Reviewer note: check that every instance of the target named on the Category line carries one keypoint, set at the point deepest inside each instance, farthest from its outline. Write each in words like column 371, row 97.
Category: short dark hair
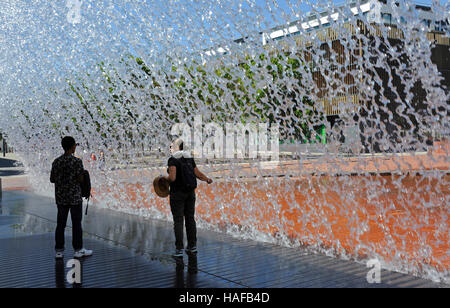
column 67, row 143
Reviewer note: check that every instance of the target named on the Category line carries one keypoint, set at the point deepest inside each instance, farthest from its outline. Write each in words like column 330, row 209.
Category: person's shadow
column 60, row 275
column 191, row 279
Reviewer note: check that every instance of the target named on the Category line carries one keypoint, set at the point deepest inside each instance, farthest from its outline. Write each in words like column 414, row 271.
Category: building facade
column 377, row 30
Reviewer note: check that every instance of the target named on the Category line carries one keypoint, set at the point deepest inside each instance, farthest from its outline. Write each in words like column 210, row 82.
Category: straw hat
column 161, row 186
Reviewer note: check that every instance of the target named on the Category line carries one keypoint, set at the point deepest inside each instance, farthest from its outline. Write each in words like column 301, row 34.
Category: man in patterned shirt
column 67, row 175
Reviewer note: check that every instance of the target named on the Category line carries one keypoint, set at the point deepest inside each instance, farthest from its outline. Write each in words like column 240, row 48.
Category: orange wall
column 394, row 208
column 334, row 213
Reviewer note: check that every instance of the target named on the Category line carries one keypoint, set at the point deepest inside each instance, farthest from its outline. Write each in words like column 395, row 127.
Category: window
column 426, row 22
column 441, row 26
column 386, row 18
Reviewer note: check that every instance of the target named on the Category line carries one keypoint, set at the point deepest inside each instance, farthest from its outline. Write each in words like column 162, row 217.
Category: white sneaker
column 82, row 253
column 59, row 255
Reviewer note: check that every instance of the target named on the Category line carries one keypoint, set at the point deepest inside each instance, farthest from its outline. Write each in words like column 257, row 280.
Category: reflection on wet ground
column 130, row 251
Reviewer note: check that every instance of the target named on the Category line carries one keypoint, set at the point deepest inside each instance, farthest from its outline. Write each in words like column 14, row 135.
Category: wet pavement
column 131, row 251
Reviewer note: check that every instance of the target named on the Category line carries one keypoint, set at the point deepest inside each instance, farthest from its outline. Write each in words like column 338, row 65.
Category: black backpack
column 86, row 187
column 188, row 177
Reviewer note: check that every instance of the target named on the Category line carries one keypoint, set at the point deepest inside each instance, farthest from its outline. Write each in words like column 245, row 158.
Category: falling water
column 355, row 100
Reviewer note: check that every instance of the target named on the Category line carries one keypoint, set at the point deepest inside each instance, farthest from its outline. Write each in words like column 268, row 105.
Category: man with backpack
column 68, row 175
column 183, row 175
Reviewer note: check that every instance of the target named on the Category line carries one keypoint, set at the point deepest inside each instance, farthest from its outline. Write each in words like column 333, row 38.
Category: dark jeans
column 182, row 205
column 76, row 214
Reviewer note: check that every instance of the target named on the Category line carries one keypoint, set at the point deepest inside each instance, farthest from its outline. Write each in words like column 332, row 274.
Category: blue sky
column 35, row 32
column 271, row 15
column 306, row 7
column 189, row 24
column 293, row 7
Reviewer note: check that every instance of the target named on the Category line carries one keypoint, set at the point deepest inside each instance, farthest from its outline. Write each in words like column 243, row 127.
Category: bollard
column 0, row 188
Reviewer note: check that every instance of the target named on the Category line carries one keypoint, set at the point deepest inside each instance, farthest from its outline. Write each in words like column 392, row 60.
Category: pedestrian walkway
column 131, row 251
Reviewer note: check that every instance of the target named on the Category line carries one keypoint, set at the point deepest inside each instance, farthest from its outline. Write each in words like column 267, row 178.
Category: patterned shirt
column 65, row 171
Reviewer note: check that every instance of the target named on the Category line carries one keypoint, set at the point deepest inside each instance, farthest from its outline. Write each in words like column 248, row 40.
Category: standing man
column 67, row 175
column 183, row 175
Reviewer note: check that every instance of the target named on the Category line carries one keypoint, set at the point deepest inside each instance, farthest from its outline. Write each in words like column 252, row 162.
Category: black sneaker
column 191, row 249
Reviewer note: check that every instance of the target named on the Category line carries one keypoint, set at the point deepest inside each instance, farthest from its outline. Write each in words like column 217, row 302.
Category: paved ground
column 130, row 251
